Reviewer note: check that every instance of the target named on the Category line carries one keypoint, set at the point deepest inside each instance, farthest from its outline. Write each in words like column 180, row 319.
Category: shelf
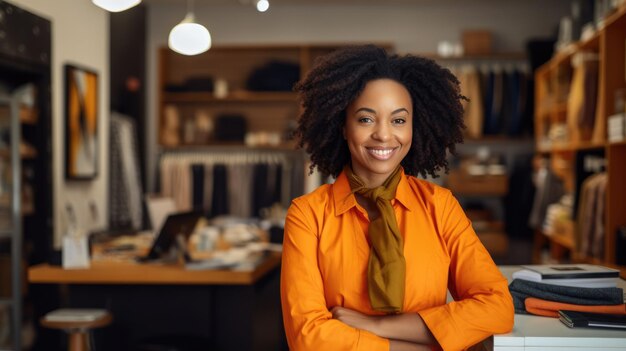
column 504, row 56
column 28, row 115
column 462, row 184
column 26, row 153
column 617, row 143
column 608, row 43
column 571, row 147
column 236, row 96
column 287, row 146
column 560, row 108
column 591, row 44
column 565, row 241
column 615, row 18
column 498, row 139
column 563, row 57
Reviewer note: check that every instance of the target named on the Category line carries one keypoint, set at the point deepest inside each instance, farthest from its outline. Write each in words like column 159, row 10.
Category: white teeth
column 382, row 152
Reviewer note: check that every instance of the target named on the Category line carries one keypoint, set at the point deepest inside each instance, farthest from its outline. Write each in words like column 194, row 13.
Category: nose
column 381, row 132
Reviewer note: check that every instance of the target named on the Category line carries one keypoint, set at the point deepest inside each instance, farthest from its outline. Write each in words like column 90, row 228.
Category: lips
column 382, row 153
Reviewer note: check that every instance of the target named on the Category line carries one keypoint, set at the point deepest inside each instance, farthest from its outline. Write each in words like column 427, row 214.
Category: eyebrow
column 366, row 109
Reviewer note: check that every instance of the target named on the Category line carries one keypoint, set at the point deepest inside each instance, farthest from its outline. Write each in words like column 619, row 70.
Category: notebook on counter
column 574, row 319
column 580, row 275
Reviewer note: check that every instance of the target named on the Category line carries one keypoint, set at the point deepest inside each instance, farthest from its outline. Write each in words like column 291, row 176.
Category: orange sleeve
column 483, row 305
column 308, row 322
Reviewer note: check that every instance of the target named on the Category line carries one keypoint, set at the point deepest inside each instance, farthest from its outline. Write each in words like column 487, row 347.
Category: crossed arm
column 405, row 331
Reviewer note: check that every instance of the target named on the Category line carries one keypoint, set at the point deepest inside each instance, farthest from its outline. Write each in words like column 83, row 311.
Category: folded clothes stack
column 548, row 308
column 546, row 299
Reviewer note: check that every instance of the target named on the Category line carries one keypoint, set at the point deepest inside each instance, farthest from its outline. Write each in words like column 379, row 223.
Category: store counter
column 233, row 310
column 549, row 334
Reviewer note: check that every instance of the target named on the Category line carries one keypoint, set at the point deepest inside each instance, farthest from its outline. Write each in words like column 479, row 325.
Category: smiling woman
column 378, row 129
column 368, row 260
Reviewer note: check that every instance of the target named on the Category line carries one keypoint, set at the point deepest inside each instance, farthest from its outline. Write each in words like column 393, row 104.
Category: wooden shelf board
column 28, row 154
column 495, row 139
column 562, row 240
column 614, row 18
column 571, row 147
column 510, row 56
column 589, row 145
column 543, row 70
column 287, row 146
column 591, row 44
column 236, row 96
column 560, row 108
column 563, row 58
column 617, row 143
column 28, row 115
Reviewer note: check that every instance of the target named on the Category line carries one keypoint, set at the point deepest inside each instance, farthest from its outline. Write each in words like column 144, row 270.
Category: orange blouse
column 325, row 257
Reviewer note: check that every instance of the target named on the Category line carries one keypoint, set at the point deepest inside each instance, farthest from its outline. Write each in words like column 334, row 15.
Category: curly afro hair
column 339, row 77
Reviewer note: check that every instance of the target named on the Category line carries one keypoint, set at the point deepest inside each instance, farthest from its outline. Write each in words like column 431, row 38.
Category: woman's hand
column 407, row 327
column 356, row 319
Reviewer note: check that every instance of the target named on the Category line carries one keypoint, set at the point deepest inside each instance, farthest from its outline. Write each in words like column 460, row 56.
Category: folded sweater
column 551, row 309
column 521, row 289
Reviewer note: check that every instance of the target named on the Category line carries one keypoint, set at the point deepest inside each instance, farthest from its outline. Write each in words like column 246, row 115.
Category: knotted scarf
column 386, row 266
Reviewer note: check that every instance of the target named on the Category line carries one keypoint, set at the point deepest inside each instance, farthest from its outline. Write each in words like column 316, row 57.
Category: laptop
column 176, row 228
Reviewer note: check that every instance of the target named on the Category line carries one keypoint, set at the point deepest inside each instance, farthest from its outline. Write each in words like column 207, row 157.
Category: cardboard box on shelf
column 462, row 183
column 477, row 42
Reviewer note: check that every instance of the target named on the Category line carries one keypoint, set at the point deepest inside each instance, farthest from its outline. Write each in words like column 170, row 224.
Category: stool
column 77, row 323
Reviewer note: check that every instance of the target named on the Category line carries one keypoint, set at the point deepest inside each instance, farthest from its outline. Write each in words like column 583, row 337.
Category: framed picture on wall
column 81, row 123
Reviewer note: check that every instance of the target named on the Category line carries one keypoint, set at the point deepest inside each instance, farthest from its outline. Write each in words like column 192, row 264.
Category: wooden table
column 235, row 310
column 128, row 272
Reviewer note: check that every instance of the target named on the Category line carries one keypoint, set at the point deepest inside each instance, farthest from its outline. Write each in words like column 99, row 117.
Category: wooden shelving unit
column 552, row 87
column 264, row 111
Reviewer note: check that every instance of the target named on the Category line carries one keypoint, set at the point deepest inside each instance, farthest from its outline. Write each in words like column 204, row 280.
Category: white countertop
column 545, row 333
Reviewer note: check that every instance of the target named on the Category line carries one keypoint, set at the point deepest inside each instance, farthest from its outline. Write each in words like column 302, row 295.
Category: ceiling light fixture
column 262, row 5
column 115, row 5
column 188, row 37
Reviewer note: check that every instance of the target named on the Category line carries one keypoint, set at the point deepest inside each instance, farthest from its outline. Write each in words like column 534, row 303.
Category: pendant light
column 262, row 5
column 188, row 37
column 115, row 5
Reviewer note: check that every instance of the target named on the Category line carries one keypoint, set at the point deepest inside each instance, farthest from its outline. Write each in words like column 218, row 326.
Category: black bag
column 230, row 128
column 274, row 76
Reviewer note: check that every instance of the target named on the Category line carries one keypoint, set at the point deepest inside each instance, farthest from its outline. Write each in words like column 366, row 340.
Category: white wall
column 412, row 28
column 80, row 35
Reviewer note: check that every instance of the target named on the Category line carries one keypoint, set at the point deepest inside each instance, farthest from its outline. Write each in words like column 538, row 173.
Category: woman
column 367, row 261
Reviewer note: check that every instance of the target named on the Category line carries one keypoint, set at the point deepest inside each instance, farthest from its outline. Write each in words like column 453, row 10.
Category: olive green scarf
column 386, row 266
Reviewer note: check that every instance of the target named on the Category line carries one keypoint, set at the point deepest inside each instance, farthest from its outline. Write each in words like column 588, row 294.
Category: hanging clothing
column 469, row 80
column 239, row 189
column 208, row 188
column 125, row 202
column 221, row 183
column 548, row 190
column 220, row 191
column 197, row 191
column 590, row 218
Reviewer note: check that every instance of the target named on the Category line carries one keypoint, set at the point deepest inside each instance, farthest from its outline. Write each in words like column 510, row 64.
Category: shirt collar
column 345, row 200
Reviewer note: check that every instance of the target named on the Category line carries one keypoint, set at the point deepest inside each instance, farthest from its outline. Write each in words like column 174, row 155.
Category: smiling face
column 379, row 130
